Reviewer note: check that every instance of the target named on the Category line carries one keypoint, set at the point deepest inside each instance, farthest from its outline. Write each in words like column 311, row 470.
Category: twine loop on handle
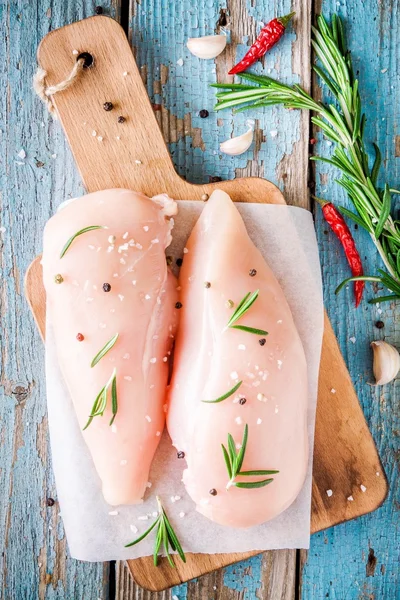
column 46, row 93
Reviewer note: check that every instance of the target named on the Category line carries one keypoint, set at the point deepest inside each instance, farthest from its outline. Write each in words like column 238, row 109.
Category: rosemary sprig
column 80, row 232
column 234, row 461
column 343, row 122
column 100, row 404
column 104, row 350
column 165, row 536
column 241, row 310
column 226, row 395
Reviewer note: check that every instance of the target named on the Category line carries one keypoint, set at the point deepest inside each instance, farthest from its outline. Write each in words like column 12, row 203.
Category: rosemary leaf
column 240, row 457
column 78, row 233
column 227, row 461
column 252, row 484
column 100, row 404
column 145, row 534
column 114, row 399
column 226, row 395
column 104, row 350
column 248, row 473
column 250, row 329
column 173, row 539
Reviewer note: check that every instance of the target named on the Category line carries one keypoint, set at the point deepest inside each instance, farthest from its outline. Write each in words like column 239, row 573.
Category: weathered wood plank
column 360, row 559
column 37, row 173
column 178, row 93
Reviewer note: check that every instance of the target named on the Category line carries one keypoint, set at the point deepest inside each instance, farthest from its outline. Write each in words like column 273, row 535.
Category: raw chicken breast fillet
column 115, row 281
column 211, row 358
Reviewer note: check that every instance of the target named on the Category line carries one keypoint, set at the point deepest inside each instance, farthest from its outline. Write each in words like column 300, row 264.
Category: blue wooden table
column 356, row 560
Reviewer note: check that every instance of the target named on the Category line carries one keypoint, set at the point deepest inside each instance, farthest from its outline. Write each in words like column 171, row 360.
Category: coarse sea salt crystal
column 273, row 133
column 333, row 391
column 352, row 340
column 153, row 360
column 126, row 356
column 143, row 518
column 155, row 241
column 234, row 375
column 165, row 358
column 261, row 397
column 113, row 513
column 133, row 528
column 22, row 153
column 122, row 261
column 175, row 597
column 121, row 297
column 279, row 363
column 113, row 428
column 100, row 138
column 259, row 421
column 181, row 514
column 238, row 446
column 125, row 235
column 94, row 133
column 329, row 493
column 138, row 162
column 128, row 378
column 185, row 251
column 350, row 499
column 238, row 420
column 149, row 484
column 148, row 418
column 179, row 62
column 363, row 488
column 145, row 227
column 158, row 433
column 147, row 297
column 241, row 347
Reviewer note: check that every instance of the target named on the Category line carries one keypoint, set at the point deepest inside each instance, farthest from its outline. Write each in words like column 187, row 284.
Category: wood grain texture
column 360, row 560
column 34, row 561
column 103, row 163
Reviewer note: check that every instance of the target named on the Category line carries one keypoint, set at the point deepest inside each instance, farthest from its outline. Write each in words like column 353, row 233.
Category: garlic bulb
column 386, row 362
column 241, row 143
column 208, row 46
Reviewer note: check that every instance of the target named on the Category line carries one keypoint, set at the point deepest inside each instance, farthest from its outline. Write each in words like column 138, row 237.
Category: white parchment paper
column 98, row 532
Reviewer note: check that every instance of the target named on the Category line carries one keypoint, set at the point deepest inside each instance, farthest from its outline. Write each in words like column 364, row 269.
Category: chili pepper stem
column 320, row 201
column 285, row 20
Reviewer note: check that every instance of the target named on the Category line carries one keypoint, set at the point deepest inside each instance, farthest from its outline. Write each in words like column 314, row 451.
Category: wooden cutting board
column 345, row 456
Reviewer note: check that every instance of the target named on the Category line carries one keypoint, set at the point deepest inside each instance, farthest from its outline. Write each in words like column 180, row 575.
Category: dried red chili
column 269, row 35
column 342, row 232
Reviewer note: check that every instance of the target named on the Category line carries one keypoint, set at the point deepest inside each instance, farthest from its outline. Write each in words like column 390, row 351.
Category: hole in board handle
column 88, row 59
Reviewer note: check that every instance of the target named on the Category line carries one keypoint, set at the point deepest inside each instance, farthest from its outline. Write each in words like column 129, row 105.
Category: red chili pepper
column 269, row 35
column 342, row 232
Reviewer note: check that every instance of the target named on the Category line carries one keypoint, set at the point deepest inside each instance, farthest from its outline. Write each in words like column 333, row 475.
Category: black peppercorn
column 180, row 454
column 106, row 287
column 252, row 272
column 204, row 113
column 121, row 119
column 50, row 502
column 207, row 284
column 380, row 324
column 178, row 305
column 242, row 401
column 262, row 341
column 214, row 179
column 179, row 261
column 213, row 492
column 108, row 106
column 98, row 10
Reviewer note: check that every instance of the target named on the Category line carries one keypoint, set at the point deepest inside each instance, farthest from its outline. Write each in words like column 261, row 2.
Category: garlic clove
column 208, row 46
column 386, row 362
column 239, row 144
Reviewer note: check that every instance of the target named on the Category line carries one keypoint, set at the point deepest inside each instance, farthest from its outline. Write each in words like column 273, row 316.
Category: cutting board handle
column 108, row 153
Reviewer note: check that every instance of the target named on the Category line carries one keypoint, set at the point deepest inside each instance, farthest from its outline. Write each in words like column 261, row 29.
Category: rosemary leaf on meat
column 241, row 309
column 342, row 121
column 78, row 233
column 165, row 537
column 234, row 461
column 104, row 350
column 100, row 404
column 226, row 395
